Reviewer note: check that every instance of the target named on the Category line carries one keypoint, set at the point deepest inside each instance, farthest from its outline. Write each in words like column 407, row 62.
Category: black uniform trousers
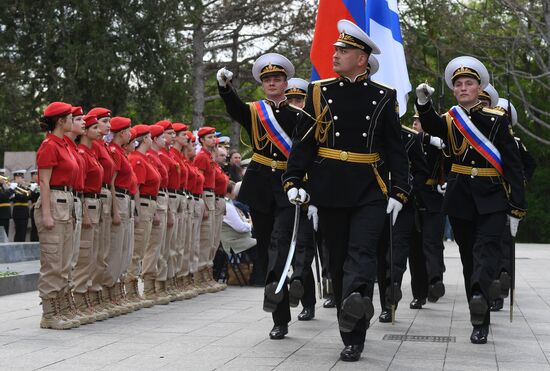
column 351, row 236
column 263, row 225
column 417, row 266
column 20, row 229
column 479, row 243
column 401, row 234
column 433, row 227
column 278, row 252
column 507, row 245
column 6, row 224
column 305, row 251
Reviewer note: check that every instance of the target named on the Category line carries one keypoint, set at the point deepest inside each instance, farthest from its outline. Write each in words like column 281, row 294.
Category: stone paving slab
column 229, row 331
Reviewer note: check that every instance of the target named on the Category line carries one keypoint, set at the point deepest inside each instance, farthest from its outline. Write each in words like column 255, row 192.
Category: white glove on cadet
column 297, row 196
column 33, row 187
column 13, row 186
column 514, row 224
column 437, row 142
column 312, row 215
column 424, row 93
column 223, row 76
column 441, row 188
column 394, row 207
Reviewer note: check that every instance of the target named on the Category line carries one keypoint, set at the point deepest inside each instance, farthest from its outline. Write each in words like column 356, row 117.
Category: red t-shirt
column 78, row 181
column 154, row 159
column 148, row 178
column 206, row 165
column 220, row 188
column 199, row 181
column 94, row 171
column 105, row 159
column 134, row 184
column 54, row 153
column 123, row 168
column 178, row 156
column 191, row 175
column 174, row 168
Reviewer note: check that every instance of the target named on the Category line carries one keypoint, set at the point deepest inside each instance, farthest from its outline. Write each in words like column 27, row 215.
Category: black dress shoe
column 295, row 293
column 497, row 305
column 351, row 353
column 271, row 300
column 329, row 303
column 436, row 291
column 307, row 314
column 278, row 332
column 478, row 309
column 354, row 308
column 479, row 335
column 396, row 293
column 385, row 316
column 417, row 303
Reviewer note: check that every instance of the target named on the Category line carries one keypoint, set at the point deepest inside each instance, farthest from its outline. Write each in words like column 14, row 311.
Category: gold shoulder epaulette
column 409, row 129
column 324, row 81
column 379, row 84
column 493, row 111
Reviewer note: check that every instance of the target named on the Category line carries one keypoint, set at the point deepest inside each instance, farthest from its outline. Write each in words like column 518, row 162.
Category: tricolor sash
column 275, row 132
column 476, row 138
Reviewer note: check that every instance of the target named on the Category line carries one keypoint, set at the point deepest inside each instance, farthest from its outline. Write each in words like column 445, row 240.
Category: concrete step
column 25, row 280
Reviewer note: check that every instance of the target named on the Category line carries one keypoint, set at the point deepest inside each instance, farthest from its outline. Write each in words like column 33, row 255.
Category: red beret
column 89, row 120
column 132, row 134
column 77, row 111
column 205, row 130
column 178, row 126
column 165, row 124
column 57, row 109
column 119, row 123
column 191, row 137
column 156, row 130
column 141, row 130
column 100, row 112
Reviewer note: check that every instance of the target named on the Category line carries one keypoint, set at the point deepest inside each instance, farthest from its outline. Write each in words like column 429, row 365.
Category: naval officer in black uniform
column 6, row 197
column 485, row 185
column 20, row 211
column 269, row 124
column 347, row 142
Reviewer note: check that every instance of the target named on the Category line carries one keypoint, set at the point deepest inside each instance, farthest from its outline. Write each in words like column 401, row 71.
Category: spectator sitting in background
column 236, row 228
column 235, row 170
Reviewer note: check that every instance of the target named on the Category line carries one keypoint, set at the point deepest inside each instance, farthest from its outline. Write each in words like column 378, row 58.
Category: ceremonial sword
column 292, row 248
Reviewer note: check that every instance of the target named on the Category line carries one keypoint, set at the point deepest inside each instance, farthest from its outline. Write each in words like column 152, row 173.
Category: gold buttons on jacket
column 344, row 156
column 335, row 118
column 374, row 102
column 337, row 134
column 330, row 100
column 368, row 117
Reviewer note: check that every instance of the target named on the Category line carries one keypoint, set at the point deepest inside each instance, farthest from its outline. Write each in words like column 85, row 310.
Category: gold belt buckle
column 474, row 171
column 273, row 164
column 344, row 156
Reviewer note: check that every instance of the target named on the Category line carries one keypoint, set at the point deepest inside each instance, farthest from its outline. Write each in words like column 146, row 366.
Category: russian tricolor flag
column 380, row 20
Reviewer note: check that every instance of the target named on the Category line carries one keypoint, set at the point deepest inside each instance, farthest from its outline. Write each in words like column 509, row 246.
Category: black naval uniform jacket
column 527, row 160
column 261, row 186
column 20, row 207
column 6, row 196
column 419, row 171
column 490, row 194
column 427, row 196
column 363, row 119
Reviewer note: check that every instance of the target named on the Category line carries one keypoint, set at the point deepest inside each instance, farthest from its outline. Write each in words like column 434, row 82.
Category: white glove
column 13, row 186
column 514, row 224
column 442, row 188
column 223, row 76
column 394, row 207
column 297, row 196
column 312, row 215
column 33, row 187
column 437, row 142
column 424, row 93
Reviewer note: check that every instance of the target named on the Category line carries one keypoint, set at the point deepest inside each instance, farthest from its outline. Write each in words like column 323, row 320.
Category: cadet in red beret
column 148, row 179
column 57, row 168
column 206, row 164
column 220, row 189
column 122, row 234
column 91, row 210
column 99, row 293
column 155, row 270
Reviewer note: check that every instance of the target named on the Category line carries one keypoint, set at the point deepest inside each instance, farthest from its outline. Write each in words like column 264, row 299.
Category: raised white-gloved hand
column 33, row 187
column 312, row 215
column 424, row 93
column 442, row 188
column 223, row 76
column 394, row 207
column 514, row 224
column 13, row 186
column 437, row 142
column 297, row 196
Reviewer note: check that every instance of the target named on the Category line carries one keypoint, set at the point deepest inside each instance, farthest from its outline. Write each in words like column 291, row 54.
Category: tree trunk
column 235, row 128
column 199, row 37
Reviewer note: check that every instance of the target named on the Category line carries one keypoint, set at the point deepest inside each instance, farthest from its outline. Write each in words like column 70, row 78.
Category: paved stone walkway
column 229, row 331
